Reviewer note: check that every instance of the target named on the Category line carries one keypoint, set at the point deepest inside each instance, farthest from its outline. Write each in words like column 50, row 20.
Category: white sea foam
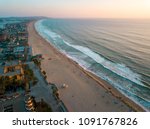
column 53, row 35
column 119, row 69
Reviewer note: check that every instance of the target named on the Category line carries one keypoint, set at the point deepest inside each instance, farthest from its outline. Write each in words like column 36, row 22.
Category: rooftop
column 19, row 49
column 11, row 63
column 16, row 72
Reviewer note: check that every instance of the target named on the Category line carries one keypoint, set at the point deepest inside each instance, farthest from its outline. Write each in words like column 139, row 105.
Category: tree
column 44, row 72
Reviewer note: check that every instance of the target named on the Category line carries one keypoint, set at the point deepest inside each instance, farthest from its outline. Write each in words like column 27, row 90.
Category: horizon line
column 76, row 17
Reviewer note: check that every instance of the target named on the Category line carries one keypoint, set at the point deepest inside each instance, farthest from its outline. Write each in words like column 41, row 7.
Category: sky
column 76, row 8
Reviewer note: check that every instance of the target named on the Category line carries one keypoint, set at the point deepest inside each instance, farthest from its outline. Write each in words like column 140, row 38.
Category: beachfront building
column 12, row 69
column 12, row 75
column 19, row 51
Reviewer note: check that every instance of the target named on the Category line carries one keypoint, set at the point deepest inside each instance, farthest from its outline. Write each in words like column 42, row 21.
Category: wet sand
column 85, row 91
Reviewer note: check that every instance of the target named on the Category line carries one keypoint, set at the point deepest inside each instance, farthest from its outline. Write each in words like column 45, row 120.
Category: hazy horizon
column 116, row 9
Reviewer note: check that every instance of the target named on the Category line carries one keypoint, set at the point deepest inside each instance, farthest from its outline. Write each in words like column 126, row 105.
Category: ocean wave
column 117, row 68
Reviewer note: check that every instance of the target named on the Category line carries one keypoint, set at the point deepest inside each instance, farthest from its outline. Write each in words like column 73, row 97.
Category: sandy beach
column 85, row 91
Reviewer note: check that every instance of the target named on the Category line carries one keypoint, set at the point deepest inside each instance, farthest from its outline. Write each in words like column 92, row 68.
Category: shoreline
column 101, row 83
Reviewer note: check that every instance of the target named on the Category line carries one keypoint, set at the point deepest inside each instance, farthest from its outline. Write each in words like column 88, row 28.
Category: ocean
column 116, row 50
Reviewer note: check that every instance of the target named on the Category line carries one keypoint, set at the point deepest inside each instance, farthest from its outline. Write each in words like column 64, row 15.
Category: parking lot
column 14, row 103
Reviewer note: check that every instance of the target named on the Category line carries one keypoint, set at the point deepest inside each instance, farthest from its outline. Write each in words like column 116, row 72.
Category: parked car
column 9, row 97
column 3, row 99
column 16, row 95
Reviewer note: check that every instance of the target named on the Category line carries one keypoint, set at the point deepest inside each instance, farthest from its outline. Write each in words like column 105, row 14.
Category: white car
column 16, row 95
column 3, row 100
